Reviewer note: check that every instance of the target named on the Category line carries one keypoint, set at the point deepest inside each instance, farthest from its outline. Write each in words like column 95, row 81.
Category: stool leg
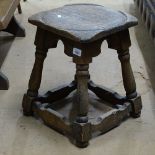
column 127, row 74
column 121, row 42
column 43, row 41
column 34, row 82
column 82, row 75
column 129, row 83
column 81, row 126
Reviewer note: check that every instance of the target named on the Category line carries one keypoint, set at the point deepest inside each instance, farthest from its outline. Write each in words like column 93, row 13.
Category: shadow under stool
column 89, row 109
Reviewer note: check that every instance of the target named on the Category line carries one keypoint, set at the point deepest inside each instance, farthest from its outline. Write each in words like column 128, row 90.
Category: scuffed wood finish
column 43, row 43
column 83, row 22
column 121, row 42
column 58, row 93
column 82, row 77
column 106, row 94
column 72, row 109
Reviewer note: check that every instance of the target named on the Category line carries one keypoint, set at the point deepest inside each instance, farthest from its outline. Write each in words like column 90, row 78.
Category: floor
column 21, row 135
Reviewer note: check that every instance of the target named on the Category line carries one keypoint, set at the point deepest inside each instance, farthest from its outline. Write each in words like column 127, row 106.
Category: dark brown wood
column 7, row 9
column 87, row 25
column 9, row 24
column 19, row 9
column 72, row 109
column 35, row 79
column 58, row 93
column 82, row 134
column 42, row 45
column 4, row 82
column 136, row 106
column 121, row 42
column 52, row 118
column 106, row 94
column 15, row 28
column 82, row 77
column 111, row 119
column 127, row 74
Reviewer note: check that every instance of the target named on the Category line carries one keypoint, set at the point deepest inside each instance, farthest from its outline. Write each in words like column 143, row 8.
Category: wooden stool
column 82, row 29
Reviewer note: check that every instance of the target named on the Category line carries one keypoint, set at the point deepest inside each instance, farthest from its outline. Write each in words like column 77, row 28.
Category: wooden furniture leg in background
column 4, row 82
column 9, row 24
column 15, row 28
column 19, row 9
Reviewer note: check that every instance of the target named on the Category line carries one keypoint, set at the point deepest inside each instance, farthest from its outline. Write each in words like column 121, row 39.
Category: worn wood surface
column 83, row 22
column 78, row 114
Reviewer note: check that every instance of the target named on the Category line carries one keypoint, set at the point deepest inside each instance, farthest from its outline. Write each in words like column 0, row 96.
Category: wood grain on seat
column 83, row 22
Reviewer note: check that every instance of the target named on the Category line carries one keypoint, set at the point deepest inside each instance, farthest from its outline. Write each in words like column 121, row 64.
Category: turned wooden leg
column 121, row 42
column 43, row 41
column 82, row 76
column 129, row 83
column 36, row 75
column 4, row 82
column 127, row 74
column 81, row 124
column 35, row 81
column 15, row 28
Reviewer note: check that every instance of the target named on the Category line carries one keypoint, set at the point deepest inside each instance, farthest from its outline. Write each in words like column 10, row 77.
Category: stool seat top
column 83, row 22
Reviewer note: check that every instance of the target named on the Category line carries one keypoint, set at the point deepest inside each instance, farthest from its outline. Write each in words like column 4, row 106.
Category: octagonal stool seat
column 72, row 109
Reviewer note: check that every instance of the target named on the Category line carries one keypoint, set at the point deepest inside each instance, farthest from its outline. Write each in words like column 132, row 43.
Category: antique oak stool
column 82, row 114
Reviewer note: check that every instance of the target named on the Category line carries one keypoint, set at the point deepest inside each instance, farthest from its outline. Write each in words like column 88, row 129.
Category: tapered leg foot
column 136, row 106
column 82, row 144
column 135, row 115
column 82, row 134
column 27, row 105
column 4, row 82
column 15, row 28
column 121, row 42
